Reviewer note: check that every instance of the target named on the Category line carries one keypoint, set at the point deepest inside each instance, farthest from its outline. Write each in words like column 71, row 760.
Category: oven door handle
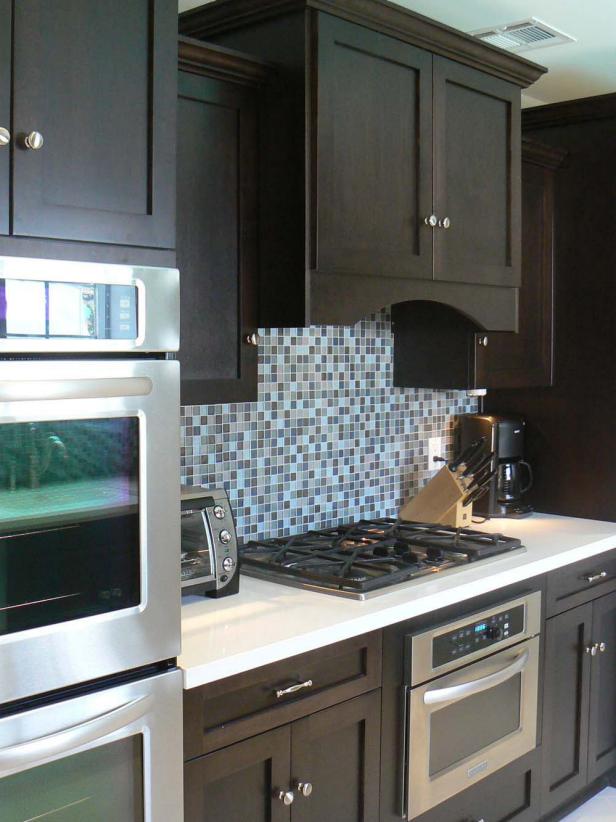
column 476, row 686
column 26, row 754
column 92, row 388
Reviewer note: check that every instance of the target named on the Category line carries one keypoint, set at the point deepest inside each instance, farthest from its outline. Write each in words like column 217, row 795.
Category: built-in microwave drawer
column 581, row 582
column 223, row 712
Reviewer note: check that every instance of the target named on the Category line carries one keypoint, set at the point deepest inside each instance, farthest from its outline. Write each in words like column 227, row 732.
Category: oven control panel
column 476, row 636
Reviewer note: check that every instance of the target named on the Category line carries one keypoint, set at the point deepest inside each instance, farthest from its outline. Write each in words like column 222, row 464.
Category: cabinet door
column 602, row 730
column 337, row 751
column 373, row 154
column 525, row 359
column 239, row 783
column 477, row 176
column 216, row 239
column 565, row 705
column 98, row 81
column 5, row 110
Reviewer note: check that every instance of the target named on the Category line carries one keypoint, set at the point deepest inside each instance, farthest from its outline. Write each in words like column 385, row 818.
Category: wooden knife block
column 440, row 501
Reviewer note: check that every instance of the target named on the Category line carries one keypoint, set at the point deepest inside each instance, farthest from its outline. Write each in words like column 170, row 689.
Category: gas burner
column 369, row 556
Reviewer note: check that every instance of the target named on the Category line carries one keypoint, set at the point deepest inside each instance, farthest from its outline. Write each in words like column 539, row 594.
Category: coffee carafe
column 514, row 477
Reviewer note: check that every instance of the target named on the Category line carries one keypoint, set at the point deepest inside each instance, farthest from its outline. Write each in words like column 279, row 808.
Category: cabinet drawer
column 581, row 582
column 231, row 709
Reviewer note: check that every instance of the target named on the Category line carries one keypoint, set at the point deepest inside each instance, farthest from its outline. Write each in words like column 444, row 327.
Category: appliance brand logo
column 476, row 769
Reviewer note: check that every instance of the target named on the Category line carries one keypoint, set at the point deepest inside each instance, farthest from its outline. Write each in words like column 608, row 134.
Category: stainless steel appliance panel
column 58, row 653
column 113, row 754
column 54, row 306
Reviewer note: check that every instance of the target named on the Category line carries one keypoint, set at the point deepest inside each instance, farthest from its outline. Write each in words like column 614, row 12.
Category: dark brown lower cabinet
column 579, row 700
column 509, row 795
column 336, row 752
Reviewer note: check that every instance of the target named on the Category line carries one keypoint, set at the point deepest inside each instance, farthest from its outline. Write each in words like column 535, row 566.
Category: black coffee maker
column 514, row 477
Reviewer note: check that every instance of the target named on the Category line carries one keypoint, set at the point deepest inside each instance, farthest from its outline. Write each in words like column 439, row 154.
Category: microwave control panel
column 476, row 636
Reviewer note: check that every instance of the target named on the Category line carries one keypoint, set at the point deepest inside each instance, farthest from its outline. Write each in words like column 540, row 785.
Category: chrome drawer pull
column 292, row 689
column 594, row 577
column 476, row 686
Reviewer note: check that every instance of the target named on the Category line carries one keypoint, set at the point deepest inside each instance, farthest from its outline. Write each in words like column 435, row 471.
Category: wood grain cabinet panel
column 373, row 153
column 5, row 110
column 217, row 225
column 97, row 81
column 602, row 725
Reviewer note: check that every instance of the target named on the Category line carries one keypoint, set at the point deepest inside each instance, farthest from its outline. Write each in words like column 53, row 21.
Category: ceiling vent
column 523, row 35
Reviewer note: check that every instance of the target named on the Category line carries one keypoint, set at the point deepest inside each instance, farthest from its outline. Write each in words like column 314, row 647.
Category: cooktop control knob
column 219, row 512
column 227, row 564
column 494, row 632
column 224, row 537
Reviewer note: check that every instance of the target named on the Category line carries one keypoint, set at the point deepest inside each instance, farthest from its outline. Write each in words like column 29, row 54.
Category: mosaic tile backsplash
column 329, row 440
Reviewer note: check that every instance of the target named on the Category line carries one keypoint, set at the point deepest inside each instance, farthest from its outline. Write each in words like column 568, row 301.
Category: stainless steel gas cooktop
column 368, row 557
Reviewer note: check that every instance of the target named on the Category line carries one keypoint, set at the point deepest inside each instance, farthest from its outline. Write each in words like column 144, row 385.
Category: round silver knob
column 219, row 512
column 252, row 339
column 225, row 537
column 592, row 649
column 602, row 647
column 432, row 220
column 34, row 140
column 305, row 788
column 445, row 223
column 286, row 797
column 5, row 136
column 227, row 564
column 483, row 340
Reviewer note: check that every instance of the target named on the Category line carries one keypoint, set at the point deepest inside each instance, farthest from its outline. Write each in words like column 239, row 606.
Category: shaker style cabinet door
column 602, row 727
column 5, row 112
column 372, row 154
column 94, row 120
column 217, row 239
column 565, row 705
column 335, row 758
column 477, row 176
column 245, row 782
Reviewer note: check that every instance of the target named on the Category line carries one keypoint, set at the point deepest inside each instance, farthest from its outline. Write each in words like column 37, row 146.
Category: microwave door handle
column 476, row 686
column 27, row 754
column 80, row 389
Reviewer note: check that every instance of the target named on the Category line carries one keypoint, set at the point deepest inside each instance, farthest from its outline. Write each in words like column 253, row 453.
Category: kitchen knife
column 467, row 455
column 478, row 465
column 479, row 485
column 475, row 495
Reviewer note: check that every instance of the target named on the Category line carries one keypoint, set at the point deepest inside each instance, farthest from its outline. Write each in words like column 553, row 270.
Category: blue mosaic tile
column 329, row 439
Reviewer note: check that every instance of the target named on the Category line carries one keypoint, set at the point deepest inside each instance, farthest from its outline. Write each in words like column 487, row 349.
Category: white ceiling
column 579, row 69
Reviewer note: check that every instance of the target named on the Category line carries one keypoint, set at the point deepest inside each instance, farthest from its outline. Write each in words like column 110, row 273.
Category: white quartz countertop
column 267, row 622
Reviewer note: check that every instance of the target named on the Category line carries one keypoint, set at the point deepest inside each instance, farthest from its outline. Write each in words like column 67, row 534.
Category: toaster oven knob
column 227, row 564
column 219, row 512
column 224, row 537
column 494, row 632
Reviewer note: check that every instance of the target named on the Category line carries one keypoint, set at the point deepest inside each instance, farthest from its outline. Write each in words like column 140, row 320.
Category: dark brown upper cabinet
column 217, row 222
column 439, row 347
column 380, row 120
column 93, row 121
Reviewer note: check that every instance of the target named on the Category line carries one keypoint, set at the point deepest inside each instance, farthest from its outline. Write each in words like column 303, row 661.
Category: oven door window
column 69, row 520
column 462, row 729
column 104, row 783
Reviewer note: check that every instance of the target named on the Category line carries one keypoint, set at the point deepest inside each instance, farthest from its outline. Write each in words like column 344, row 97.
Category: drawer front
column 226, row 711
column 581, row 582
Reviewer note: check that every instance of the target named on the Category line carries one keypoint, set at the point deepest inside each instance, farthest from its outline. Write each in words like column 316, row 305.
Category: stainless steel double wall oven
column 89, row 543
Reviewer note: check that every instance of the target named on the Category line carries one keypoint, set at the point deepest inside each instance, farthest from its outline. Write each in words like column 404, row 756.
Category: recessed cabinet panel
column 602, row 729
column 96, row 82
column 5, row 111
column 373, row 154
column 216, row 239
column 477, row 176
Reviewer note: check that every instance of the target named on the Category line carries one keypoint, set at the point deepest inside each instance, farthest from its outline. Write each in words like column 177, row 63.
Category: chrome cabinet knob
column 252, row 339
column 34, row 140
column 444, row 223
column 482, row 340
column 286, row 797
column 5, row 136
column 592, row 649
column 305, row 788
column 432, row 220
column 602, row 647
